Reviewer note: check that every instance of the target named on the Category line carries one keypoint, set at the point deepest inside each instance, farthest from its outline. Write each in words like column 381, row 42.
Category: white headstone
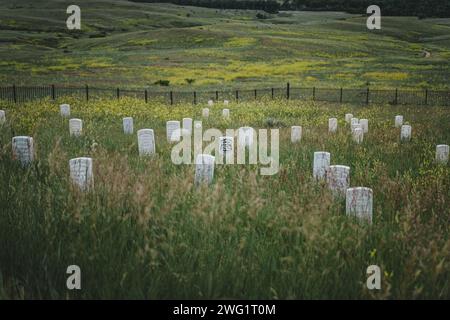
column 146, row 142
column 398, row 121
column 348, row 117
column 442, row 151
column 173, row 131
column 75, row 127
column 359, row 203
column 338, row 178
column 364, row 125
column 226, row 102
column 358, row 135
column 354, row 121
column 81, row 172
column 23, row 149
column 245, row 136
column 2, row 117
column 187, row 125
column 226, row 113
column 128, row 127
column 332, row 125
column 321, row 164
column 405, row 134
column 355, row 126
column 204, row 169
column 296, row 133
column 226, row 145
column 65, row 110
column 205, row 112
column 210, row 103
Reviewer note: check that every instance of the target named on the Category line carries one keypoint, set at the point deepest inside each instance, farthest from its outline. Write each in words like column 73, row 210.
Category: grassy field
column 145, row 230
column 130, row 44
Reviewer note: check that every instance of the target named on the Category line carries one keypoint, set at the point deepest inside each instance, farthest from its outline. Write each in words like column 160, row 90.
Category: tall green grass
column 146, row 232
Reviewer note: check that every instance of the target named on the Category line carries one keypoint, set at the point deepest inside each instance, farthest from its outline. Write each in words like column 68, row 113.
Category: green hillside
column 132, row 44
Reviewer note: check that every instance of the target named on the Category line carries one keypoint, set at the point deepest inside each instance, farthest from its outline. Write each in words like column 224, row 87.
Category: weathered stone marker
column 398, row 121
column 226, row 113
column 205, row 112
column 358, row 135
column 359, row 203
column 364, row 125
column 296, row 133
column 81, row 172
column 332, row 125
column 128, row 127
column 226, row 102
column 226, row 147
column 321, row 165
column 146, row 142
column 210, row 103
column 355, row 126
column 204, row 169
column 64, row 110
column 23, row 149
column 405, row 133
column 187, row 125
column 348, row 117
column 354, row 121
column 75, row 127
column 2, row 117
column 442, row 151
column 338, row 178
column 173, row 131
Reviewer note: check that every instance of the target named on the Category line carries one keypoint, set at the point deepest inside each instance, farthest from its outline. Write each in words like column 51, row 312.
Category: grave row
column 359, row 200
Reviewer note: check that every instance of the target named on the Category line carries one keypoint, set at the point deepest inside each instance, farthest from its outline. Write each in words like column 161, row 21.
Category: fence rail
column 19, row 94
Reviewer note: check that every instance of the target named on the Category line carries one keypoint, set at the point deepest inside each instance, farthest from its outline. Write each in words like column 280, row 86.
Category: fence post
column 14, row 93
column 217, row 95
column 272, row 93
column 53, row 92
column 87, row 93
column 118, row 94
column 195, row 97
column 367, row 96
column 255, row 94
column 288, row 90
column 171, row 97
column 426, row 96
column 146, row 95
column 314, row 93
column 340, row 98
column 396, row 97
column 237, row 95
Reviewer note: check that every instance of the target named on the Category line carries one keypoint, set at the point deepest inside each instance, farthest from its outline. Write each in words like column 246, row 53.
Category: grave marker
column 64, row 110
column 226, row 113
column 359, row 203
column 442, row 151
column 23, row 149
column 405, row 134
column 81, row 172
column 128, row 127
column 296, row 133
column 364, row 125
column 205, row 113
column 348, row 117
column 338, row 178
column 204, row 169
column 398, row 121
column 146, row 142
column 332, row 125
column 321, row 164
column 2, row 117
column 75, row 127
column 173, row 131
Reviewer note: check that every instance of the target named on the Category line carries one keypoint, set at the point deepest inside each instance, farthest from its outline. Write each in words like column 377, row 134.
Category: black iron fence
column 19, row 94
